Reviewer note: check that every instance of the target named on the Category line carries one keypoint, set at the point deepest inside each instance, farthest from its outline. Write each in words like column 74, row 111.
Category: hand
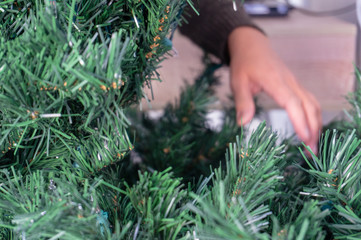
column 254, row 68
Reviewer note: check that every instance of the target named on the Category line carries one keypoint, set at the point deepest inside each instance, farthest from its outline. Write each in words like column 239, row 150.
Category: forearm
column 212, row 28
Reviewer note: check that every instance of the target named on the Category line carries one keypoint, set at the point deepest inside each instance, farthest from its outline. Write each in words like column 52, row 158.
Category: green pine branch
column 182, row 138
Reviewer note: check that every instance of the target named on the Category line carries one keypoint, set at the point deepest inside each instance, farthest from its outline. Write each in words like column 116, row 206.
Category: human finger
column 298, row 117
column 311, row 109
column 318, row 109
column 314, row 119
column 243, row 99
column 311, row 115
column 290, row 101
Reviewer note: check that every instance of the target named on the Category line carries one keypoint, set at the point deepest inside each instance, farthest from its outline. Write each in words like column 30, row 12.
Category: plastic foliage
column 354, row 115
column 182, row 137
column 237, row 204
column 68, row 69
column 307, row 225
column 44, row 206
column 160, row 202
column 337, row 181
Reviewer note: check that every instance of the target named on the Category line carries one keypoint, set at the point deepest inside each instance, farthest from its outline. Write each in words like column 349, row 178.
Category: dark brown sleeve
column 217, row 19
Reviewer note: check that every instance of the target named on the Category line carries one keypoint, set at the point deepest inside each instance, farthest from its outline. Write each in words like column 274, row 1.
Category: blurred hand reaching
column 255, row 67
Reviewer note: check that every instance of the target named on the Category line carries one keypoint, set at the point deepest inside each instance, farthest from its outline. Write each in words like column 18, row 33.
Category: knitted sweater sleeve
column 217, row 19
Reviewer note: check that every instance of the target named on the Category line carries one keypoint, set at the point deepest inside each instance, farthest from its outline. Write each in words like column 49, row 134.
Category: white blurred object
column 215, row 119
column 280, row 122
column 155, row 114
column 299, row 3
column 320, row 5
column 251, row 127
column 266, row 8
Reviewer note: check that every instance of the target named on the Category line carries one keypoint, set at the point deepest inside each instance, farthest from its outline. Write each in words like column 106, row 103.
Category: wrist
column 243, row 40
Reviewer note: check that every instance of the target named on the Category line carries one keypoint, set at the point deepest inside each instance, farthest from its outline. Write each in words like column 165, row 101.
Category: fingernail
column 242, row 117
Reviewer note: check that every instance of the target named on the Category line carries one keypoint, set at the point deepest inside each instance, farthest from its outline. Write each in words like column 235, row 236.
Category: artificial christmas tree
column 77, row 163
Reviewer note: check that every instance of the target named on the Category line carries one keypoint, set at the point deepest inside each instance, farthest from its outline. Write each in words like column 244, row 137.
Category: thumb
column 243, row 99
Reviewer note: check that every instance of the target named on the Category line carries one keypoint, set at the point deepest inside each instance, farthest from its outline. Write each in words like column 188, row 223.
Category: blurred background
column 317, row 39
